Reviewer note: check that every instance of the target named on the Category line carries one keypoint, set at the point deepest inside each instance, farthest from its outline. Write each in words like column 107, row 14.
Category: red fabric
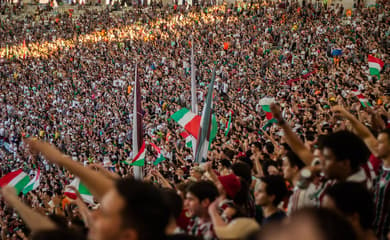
column 184, row 219
column 231, row 184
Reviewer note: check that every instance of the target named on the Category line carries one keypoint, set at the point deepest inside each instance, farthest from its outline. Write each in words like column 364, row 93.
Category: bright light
column 133, row 31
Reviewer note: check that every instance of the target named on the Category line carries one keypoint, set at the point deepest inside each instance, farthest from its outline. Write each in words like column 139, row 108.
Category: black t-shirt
column 277, row 216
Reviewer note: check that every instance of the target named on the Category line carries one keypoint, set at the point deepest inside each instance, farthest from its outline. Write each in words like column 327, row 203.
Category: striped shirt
column 314, row 194
column 382, row 203
column 199, row 228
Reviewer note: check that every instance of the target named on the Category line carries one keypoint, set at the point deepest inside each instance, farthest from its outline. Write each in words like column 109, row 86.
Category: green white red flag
column 160, row 156
column 17, row 179
column 362, row 99
column 34, row 183
column 375, row 65
column 81, row 188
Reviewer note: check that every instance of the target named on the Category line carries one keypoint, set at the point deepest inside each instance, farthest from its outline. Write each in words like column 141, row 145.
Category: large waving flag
column 17, row 179
column 188, row 120
column 83, row 190
column 362, row 99
column 34, row 183
column 375, row 65
column 160, row 156
column 205, row 125
column 138, row 142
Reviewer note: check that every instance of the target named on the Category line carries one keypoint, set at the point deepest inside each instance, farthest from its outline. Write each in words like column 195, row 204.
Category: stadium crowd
column 319, row 169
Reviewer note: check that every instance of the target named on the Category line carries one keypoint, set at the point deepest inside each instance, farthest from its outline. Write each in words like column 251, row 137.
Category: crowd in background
column 79, row 99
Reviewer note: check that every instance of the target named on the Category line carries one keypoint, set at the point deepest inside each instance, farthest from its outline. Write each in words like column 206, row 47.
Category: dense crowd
column 321, row 170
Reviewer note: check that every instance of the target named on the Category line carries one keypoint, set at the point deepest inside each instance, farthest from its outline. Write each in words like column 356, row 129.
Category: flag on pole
column 205, row 125
column 17, row 179
column 188, row 120
column 34, row 183
column 81, row 188
column 194, row 101
column 375, row 65
column 160, row 156
column 363, row 100
column 228, row 124
column 187, row 137
column 138, row 142
column 214, row 128
column 139, row 159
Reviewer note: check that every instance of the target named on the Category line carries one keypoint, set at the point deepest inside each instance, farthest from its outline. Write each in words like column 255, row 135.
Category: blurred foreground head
column 133, row 210
column 313, row 224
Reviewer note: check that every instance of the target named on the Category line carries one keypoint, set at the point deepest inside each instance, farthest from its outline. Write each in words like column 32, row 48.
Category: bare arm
column 361, row 130
column 96, row 182
column 84, row 211
column 33, row 219
column 292, row 138
column 104, row 171
column 214, row 215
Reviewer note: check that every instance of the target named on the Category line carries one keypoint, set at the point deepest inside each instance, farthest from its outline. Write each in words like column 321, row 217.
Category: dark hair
column 143, row 211
column 346, row 145
column 226, row 163
column 58, row 234
column 183, row 237
column 229, row 153
column 243, row 170
column 270, row 147
column 174, row 202
column 294, row 160
column 257, row 145
column 275, row 186
column 352, row 197
column 204, row 190
column 331, row 225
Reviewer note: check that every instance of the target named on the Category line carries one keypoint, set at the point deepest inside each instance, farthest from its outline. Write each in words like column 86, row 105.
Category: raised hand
column 277, row 114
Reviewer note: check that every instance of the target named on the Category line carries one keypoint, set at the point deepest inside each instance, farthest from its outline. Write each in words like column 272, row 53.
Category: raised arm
column 362, row 131
column 96, row 182
column 33, row 219
column 292, row 138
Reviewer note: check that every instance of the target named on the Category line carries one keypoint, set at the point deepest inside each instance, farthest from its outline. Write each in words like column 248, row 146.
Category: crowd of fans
column 322, row 171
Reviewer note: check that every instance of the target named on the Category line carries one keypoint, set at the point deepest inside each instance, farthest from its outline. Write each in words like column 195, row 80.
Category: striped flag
column 34, row 183
column 188, row 120
column 205, row 125
column 160, row 156
column 363, row 100
column 228, row 124
column 265, row 105
column 187, row 137
column 17, row 179
column 81, row 188
column 375, row 65
column 138, row 142
column 139, row 159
